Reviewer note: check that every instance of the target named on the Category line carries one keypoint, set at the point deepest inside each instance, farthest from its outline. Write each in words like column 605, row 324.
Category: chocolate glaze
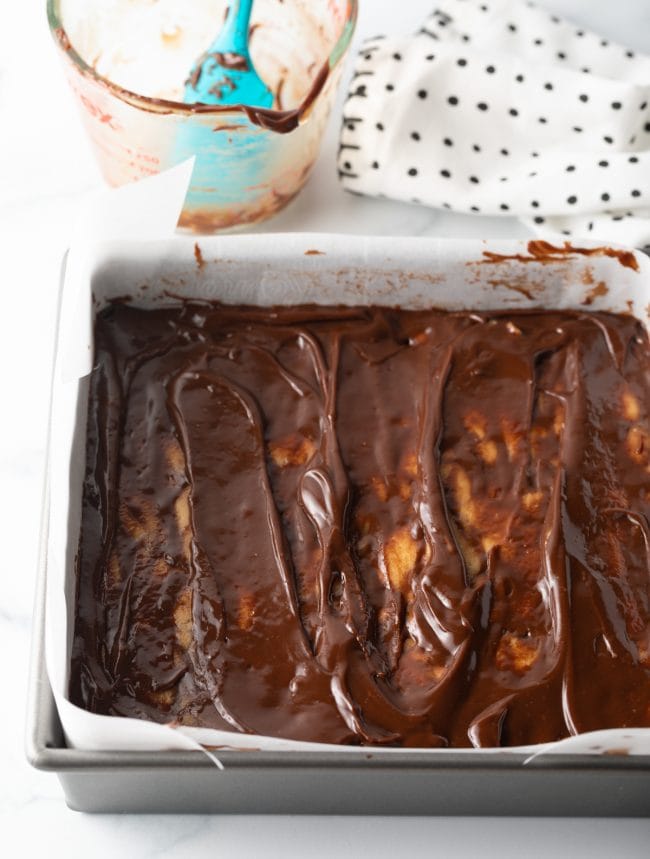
column 366, row 525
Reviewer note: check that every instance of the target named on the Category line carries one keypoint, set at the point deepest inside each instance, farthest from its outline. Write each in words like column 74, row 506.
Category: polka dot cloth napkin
column 496, row 107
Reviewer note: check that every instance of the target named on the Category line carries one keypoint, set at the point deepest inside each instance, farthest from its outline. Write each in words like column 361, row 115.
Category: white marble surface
column 45, row 171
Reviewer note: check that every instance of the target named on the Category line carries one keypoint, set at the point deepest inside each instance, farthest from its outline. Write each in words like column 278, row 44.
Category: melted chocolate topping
column 366, row 525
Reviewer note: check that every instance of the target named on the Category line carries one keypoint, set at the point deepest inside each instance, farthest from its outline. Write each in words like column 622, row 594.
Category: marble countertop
column 46, row 169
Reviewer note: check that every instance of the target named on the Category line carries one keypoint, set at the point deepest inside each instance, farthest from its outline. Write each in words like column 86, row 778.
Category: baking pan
column 359, row 782
column 316, row 783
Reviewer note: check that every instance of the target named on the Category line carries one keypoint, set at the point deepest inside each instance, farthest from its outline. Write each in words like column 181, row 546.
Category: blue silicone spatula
column 225, row 74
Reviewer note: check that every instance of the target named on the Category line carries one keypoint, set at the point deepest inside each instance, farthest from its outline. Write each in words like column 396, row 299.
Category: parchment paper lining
column 124, row 245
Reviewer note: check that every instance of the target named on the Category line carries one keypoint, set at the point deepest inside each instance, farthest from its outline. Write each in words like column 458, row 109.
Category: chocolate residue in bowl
column 230, row 60
column 279, row 121
column 62, row 38
column 285, row 121
column 278, row 93
column 221, row 87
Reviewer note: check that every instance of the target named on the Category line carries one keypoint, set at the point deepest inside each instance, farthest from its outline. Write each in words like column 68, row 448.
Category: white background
column 45, row 170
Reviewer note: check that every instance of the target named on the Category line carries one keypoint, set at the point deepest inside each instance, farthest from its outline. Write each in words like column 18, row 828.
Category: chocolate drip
column 367, row 525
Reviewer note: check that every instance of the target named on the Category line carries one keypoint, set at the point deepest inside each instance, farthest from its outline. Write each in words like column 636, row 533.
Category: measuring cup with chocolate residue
column 127, row 67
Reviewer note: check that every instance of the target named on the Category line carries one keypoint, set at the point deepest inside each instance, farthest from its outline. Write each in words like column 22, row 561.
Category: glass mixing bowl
column 249, row 164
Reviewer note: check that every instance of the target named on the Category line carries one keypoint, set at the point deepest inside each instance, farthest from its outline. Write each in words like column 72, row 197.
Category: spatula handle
column 235, row 30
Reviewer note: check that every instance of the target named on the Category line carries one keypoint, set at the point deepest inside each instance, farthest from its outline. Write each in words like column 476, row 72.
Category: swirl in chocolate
column 367, row 525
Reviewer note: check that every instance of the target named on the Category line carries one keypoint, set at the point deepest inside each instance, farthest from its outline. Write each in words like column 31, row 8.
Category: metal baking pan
column 315, row 783
column 467, row 783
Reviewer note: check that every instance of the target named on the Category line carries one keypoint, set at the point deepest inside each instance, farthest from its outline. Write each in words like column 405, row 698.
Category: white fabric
column 497, row 107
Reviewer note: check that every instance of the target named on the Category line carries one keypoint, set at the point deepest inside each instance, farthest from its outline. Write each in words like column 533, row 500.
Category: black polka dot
column 504, row 152
column 513, row 111
column 534, row 204
column 539, row 220
column 461, row 62
column 519, row 79
column 397, row 57
column 572, row 199
column 448, row 141
column 465, row 37
column 430, row 57
column 548, row 86
column 532, row 175
column 570, row 168
column 483, row 7
column 561, row 55
column 379, row 126
column 603, row 163
column 474, row 209
column 415, row 135
column 512, row 28
column 604, row 43
column 616, row 105
column 636, row 193
column 422, row 93
column 413, row 171
column 347, row 165
column 503, row 179
column 605, row 198
column 390, row 87
column 475, row 181
column 534, row 154
column 643, row 105
column 583, row 97
column 482, row 105
column 446, row 206
column 538, row 42
column 646, row 127
column 608, row 139
column 566, row 232
column 453, row 100
column 629, row 54
column 543, row 120
column 577, row 129
column 633, row 159
column 580, row 33
column 375, row 165
column 490, row 70
column 476, row 147
column 446, row 174
column 504, row 207
column 590, row 226
column 585, row 70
